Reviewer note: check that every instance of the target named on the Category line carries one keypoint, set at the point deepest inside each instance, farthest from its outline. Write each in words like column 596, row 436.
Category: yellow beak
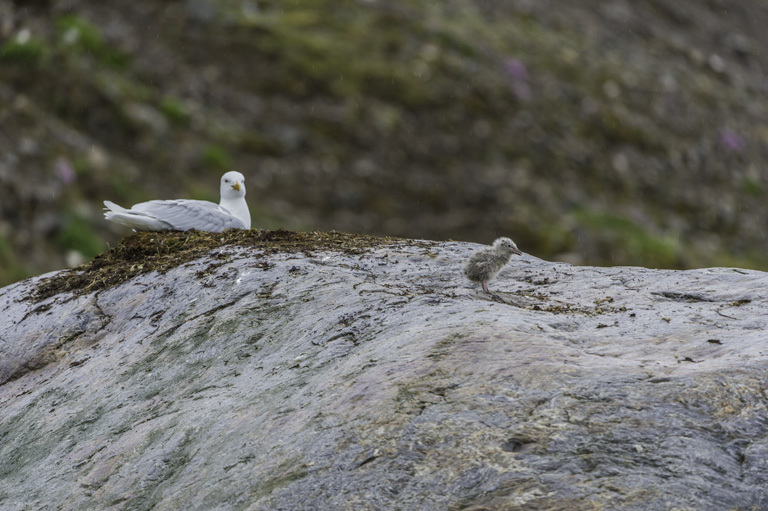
column 236, row 186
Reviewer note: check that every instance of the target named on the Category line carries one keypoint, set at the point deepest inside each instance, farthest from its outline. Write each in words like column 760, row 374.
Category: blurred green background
column 593, row 132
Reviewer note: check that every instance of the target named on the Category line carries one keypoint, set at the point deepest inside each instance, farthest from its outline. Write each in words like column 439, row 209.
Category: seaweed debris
column 145, row 252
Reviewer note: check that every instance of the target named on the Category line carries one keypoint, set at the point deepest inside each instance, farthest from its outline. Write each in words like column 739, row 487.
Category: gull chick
column 185, row 214
column 486, row 263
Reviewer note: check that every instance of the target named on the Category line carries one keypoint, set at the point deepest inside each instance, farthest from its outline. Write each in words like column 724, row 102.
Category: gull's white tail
column 133, row 219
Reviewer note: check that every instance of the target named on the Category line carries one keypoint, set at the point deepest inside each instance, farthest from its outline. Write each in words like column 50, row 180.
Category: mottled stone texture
column 387, row 381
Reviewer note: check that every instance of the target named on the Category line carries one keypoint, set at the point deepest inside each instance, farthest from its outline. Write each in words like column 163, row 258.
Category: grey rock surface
column 388, row 381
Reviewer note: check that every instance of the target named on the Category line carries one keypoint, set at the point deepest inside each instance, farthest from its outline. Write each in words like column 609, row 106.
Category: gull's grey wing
column 185, row 214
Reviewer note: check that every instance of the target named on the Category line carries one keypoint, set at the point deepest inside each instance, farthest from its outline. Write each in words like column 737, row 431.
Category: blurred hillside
column 599, row 132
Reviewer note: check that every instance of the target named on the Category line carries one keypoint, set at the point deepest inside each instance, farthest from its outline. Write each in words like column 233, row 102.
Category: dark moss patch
column 32, row 52
column 145, row 252
column 216, row 157
column 572, row 308
column 78, row 35
column 174, row 110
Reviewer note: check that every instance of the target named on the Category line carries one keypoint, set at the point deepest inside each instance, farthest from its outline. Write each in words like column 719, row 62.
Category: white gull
column 185, row 214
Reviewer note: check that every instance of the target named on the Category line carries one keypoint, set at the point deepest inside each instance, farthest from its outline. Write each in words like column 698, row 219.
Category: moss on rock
column 144, row 252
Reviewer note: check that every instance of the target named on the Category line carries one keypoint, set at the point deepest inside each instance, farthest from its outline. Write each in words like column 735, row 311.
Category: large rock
column 363, row 373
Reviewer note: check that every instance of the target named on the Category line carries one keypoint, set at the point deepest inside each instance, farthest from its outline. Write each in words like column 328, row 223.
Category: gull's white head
column 232, row 185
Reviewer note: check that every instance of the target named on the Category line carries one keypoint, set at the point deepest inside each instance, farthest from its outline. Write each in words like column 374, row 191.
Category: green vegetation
column 217, row 157
column 78, row 234
column 122, row 190
column 753, row 187
column 11, row 268
column 79, row 35
column 174, row 110
column 25, row 51
column 626, row 240
column 353, row 50
column 81, row 165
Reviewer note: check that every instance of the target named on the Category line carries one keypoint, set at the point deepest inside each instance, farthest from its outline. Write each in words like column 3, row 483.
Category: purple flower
column 65, row 171
column 516, row 69
column 518, row 75
column 732, row 141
